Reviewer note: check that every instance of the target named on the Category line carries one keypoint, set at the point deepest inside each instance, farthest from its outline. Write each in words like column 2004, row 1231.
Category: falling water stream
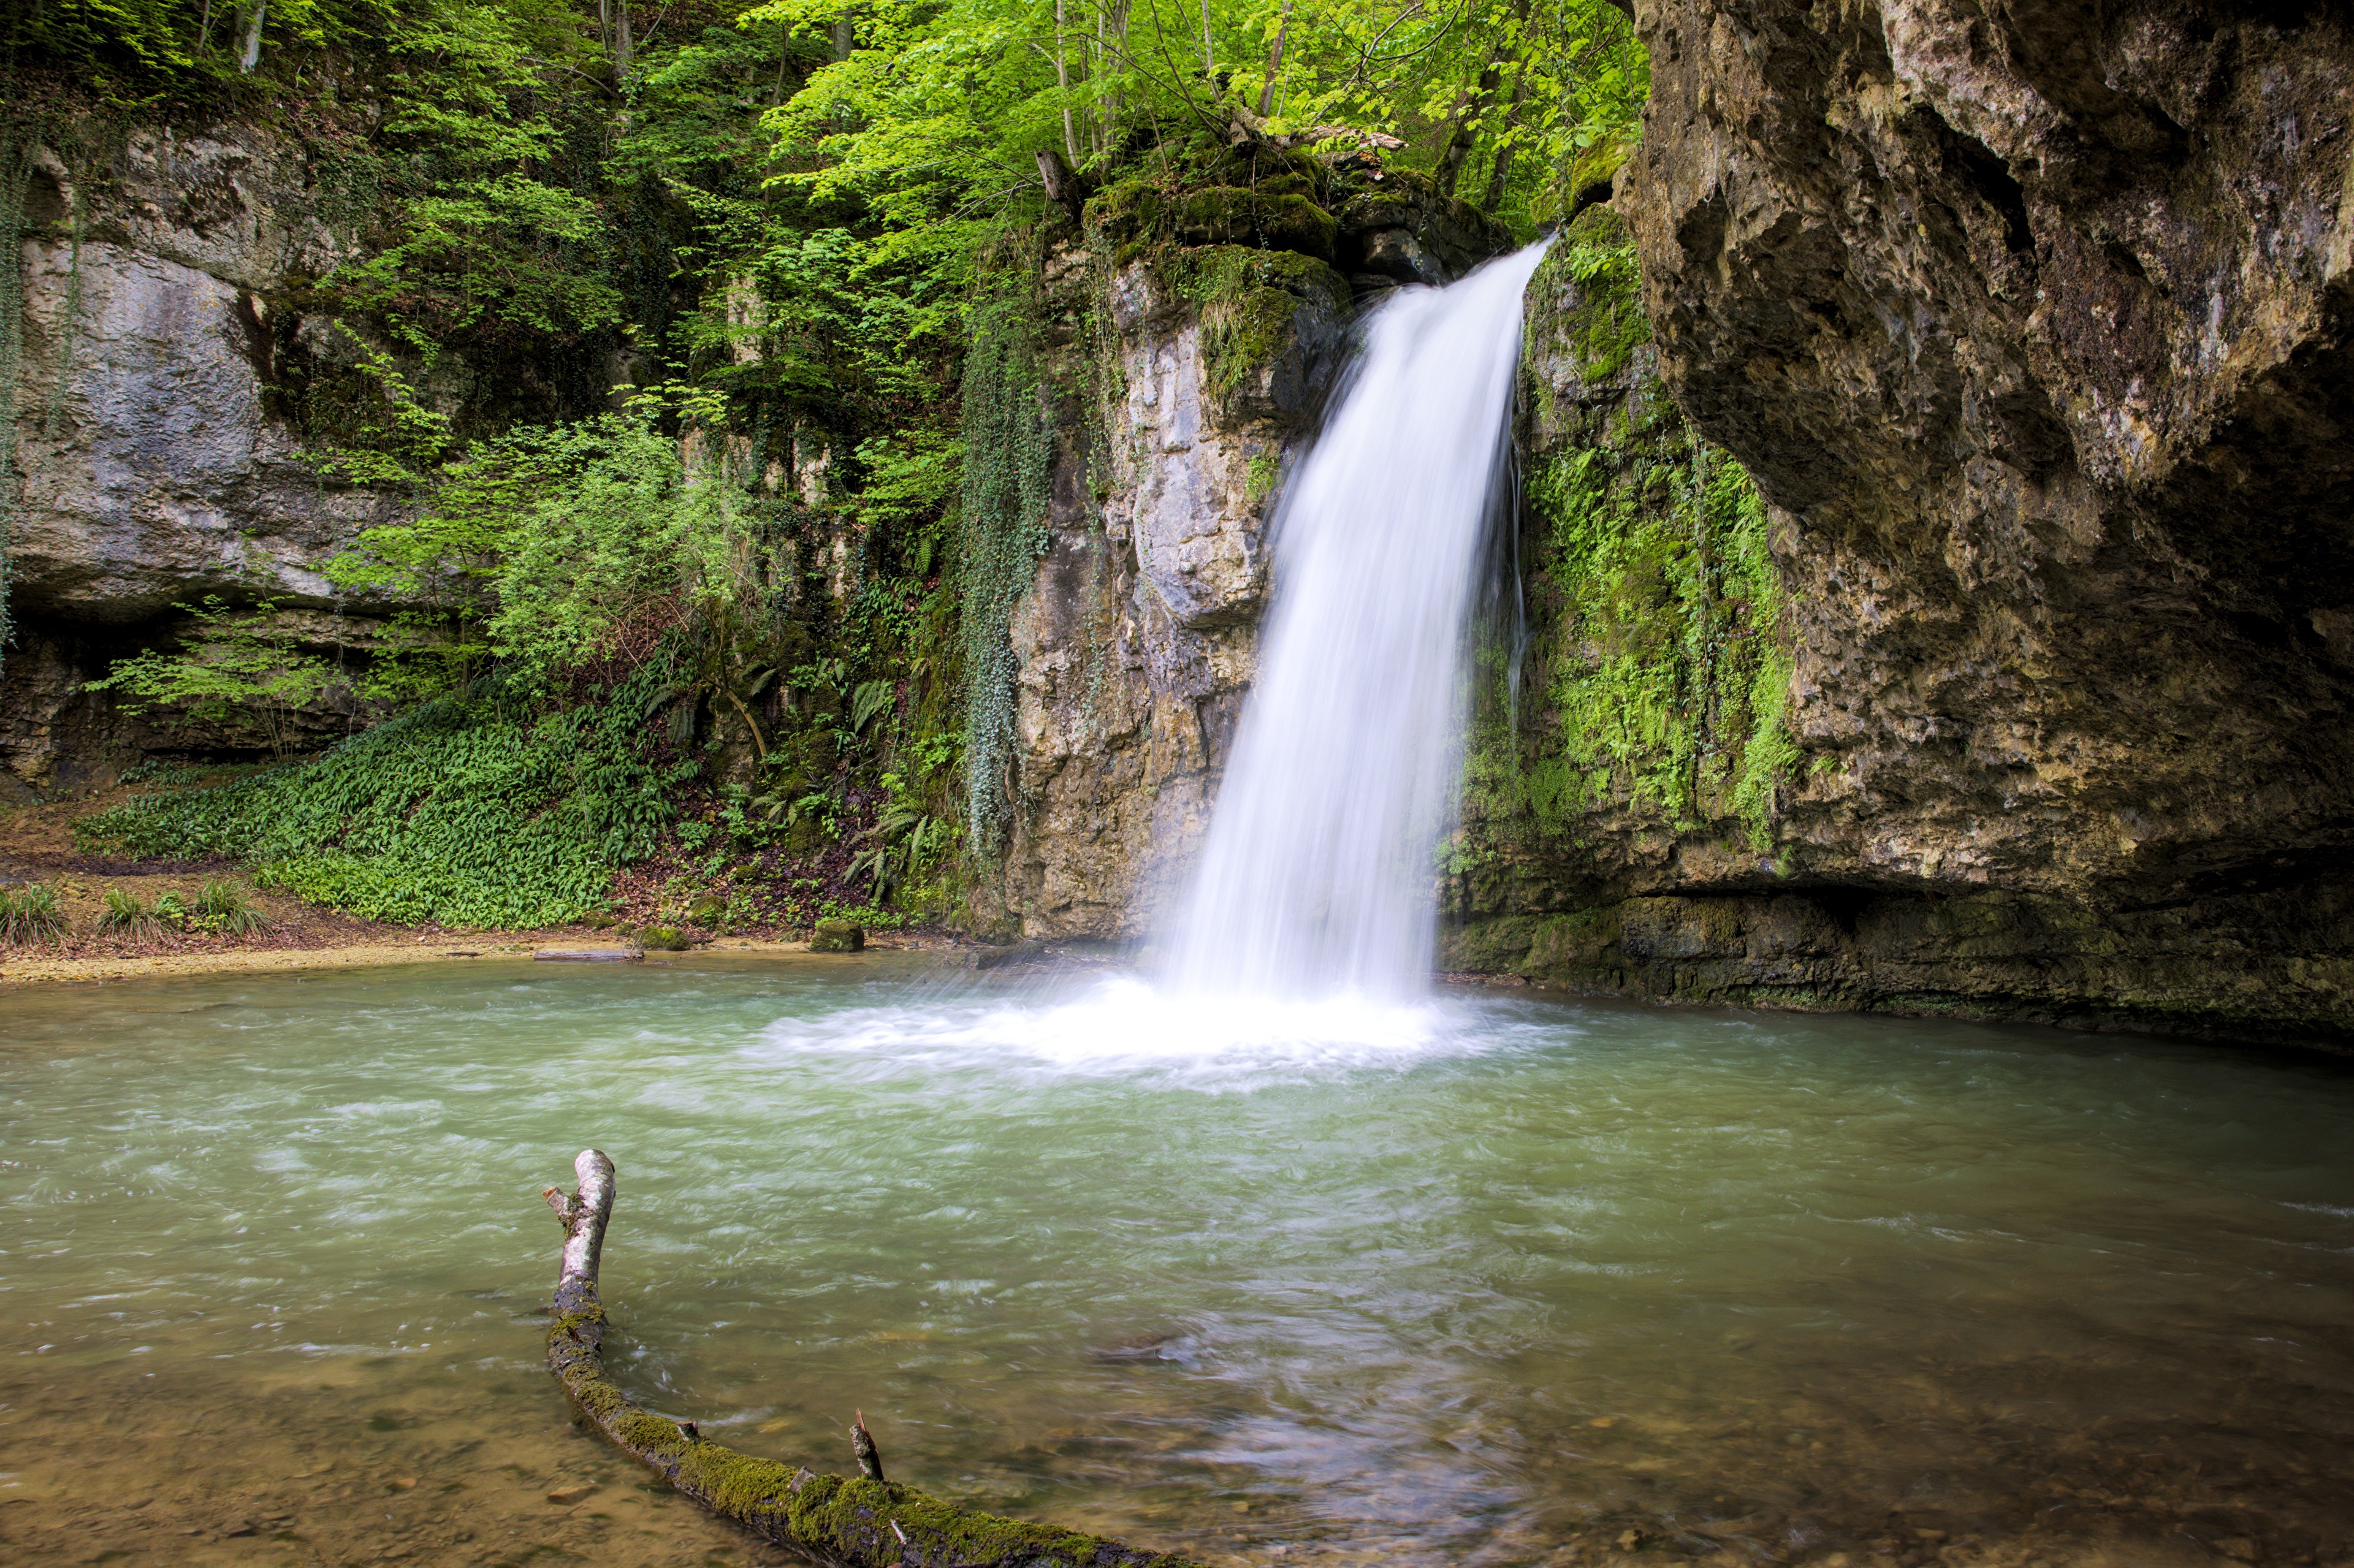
column 1279, row 1257
column 1316, row 876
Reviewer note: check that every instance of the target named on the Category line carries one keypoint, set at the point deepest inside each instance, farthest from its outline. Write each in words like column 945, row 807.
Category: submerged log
column 851, row 1522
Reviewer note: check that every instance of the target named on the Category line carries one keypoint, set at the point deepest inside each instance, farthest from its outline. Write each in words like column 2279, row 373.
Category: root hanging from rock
column 863, row 1522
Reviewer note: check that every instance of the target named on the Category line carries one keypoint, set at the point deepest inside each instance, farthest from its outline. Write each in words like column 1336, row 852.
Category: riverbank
column 28, row 966
column 37, row 849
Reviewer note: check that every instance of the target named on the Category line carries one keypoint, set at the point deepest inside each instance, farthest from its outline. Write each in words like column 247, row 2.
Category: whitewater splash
column 1317, row 875
column 1123, row 1027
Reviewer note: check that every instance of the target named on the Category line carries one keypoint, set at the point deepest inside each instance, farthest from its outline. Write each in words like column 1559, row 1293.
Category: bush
column 31, row 914
column 460, row 813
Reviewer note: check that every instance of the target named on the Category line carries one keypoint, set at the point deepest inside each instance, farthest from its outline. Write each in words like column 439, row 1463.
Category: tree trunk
column 849, row 1523
column 1063, row 85
column 1274, row 62
column 250, row 55
column 1209, row 55
column 1502, row 166
column 622, row 44
column 1475, row 108
column 1062, row 188
column 1111, row 28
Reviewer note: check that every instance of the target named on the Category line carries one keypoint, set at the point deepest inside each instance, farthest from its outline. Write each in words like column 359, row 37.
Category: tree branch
column 849, row 1523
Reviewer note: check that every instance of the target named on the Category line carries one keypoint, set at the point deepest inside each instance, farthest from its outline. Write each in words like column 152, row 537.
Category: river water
column 1494, row 1279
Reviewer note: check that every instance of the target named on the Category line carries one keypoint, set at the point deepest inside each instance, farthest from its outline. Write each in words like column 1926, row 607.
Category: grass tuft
column 31, row 914
column 124, row 915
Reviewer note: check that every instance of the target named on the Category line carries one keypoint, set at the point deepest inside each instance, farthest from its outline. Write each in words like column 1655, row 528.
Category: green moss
column 1657, row 643
column 1237, row 215
column 1607, row 322
column 835, row 936
column 1248, row 300
column 1130, row 213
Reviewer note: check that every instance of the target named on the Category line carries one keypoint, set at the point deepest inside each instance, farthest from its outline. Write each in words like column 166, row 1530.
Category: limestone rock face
column 156, row 474
column 154, row 477
column 1137, row 639
column 2031, row 322
column 153, row 473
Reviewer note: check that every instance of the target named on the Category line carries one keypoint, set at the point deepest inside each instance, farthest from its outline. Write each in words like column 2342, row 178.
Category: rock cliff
column 1193, row 348
column 2031, row 324
column 156, row 474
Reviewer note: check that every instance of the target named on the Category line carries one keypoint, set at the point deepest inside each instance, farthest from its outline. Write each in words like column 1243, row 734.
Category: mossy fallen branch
column 850, row 1522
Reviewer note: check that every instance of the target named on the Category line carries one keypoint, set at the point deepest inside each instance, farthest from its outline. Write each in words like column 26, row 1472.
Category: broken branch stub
column 851, row 1522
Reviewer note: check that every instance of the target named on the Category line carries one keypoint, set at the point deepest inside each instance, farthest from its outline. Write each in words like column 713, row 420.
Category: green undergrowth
column 1657, row 650
column 1002, row 531
column 461, row 813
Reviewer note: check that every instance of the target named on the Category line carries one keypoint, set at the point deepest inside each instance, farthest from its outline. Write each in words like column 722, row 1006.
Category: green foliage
column 799, row 246
column 462, row 812
column 1002, row 531
column 242, row 671
column 126, row 917
column 1669, row 674
column 905, row 841
column 543, row 547
column 1263, row 474
column 221, row 910
column 30, row 914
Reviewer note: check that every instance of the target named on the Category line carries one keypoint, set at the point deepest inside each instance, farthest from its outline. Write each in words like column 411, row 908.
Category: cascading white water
column 1317, row 875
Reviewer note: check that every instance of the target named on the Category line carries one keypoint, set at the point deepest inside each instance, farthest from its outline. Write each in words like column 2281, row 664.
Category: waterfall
column 1317, row 875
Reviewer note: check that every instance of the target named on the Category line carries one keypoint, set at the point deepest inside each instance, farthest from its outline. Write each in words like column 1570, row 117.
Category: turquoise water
column 1500, row 1280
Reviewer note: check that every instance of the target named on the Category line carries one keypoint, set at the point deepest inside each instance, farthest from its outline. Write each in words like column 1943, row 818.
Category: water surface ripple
column 1487, row 1279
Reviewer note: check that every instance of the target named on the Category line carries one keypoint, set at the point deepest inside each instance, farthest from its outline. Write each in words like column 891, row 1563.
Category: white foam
column 1125, row 1026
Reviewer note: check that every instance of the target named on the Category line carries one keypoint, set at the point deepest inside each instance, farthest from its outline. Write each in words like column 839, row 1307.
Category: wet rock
column 2028, row 323
column 837, row 935
column 1015, row 955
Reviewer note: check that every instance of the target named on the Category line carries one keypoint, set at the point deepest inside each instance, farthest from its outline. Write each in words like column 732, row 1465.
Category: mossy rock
column 1126, row 213
column 1250, row 302
column 706, row 911
column 665, row 938
column 1237, row 215
column 836, row 935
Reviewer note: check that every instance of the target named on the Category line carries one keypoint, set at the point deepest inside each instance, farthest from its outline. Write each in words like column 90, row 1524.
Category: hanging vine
column 1002, row 531
column 17, row 145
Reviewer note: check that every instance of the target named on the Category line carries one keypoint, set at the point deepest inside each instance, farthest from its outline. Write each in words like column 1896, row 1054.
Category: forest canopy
column 653, row 321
